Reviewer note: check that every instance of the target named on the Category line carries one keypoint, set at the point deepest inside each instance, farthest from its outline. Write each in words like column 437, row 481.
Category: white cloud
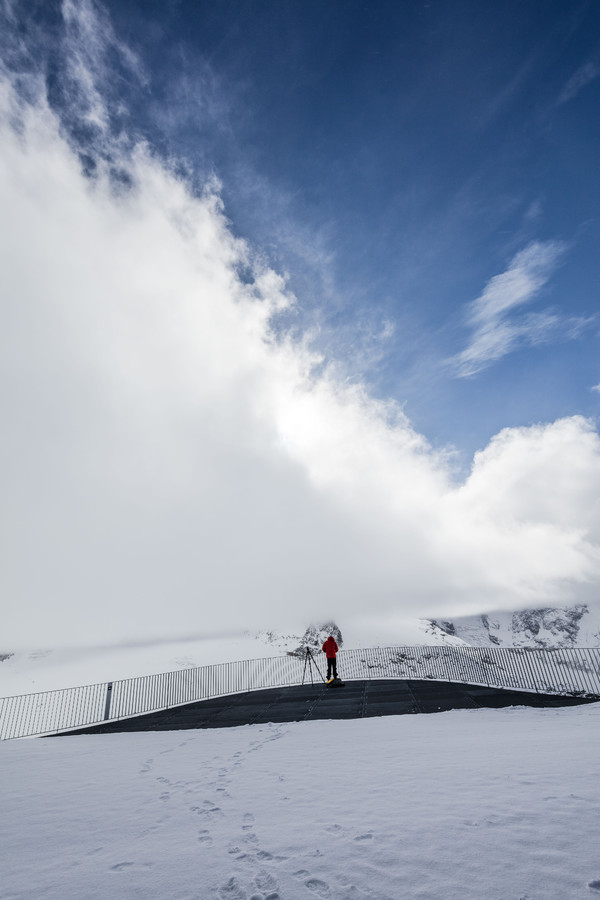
column 526, row 275
column 586, row 73
column 169, row 466
column 496, row 329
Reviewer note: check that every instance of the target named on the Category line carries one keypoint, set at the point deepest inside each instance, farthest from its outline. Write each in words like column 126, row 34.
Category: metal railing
column 558, row 671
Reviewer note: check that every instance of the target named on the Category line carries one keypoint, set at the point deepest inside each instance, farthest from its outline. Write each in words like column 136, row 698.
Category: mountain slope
column 575, row 626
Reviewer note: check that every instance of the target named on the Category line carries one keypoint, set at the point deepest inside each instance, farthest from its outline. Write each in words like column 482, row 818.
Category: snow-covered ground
column 464, row 805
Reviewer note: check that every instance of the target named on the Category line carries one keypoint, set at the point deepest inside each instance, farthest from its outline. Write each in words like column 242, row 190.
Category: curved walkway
column 570, row 672
column 357, row 699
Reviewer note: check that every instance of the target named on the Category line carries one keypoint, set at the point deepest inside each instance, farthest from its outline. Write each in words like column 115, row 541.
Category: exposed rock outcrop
column 573, row 626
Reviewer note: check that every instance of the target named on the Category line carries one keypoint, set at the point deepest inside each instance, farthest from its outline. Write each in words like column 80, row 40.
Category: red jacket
column 330, row 648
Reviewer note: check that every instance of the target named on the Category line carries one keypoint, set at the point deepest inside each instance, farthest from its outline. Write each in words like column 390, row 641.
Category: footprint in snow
column 127, row 865
column 204, row 837
column 232, row 890
column 364, row 837
column 208, row 808
column 318, row 887
column 266, row 882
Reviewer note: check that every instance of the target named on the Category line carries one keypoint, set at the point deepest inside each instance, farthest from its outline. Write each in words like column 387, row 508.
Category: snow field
column 470, row 804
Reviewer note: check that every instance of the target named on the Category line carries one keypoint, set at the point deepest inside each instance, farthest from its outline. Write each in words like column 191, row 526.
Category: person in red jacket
column 330, row 648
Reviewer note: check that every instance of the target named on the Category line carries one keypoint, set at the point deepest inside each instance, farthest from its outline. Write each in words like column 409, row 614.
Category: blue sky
column 393, row 158
column 271, row 274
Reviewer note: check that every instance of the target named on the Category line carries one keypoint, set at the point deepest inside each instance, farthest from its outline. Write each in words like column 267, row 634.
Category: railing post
column 108, row 699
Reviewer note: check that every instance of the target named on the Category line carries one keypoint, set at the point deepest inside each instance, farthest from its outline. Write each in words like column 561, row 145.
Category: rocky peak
column 315, row 635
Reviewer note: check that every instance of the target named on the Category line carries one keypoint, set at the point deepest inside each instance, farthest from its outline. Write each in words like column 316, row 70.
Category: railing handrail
column 301, row 658
column 573, row 670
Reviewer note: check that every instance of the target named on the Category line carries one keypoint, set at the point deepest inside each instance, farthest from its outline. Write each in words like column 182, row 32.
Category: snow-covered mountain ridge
column 575, row 626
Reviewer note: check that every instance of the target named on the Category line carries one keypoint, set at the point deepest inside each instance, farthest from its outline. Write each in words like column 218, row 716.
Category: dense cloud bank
column 171, row 464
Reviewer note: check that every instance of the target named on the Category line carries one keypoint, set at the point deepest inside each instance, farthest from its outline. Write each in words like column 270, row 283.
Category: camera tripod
column 309, row 663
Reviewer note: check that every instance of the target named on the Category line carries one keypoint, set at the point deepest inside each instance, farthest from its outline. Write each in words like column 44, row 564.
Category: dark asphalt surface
column 356, row 700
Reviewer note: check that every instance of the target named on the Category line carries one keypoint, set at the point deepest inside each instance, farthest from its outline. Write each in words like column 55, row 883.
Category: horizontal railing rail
column 573, row 671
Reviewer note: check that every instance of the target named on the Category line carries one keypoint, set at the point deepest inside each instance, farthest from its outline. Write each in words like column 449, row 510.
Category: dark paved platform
column 356, row 700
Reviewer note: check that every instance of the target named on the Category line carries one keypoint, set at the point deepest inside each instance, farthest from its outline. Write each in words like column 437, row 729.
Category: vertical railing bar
column 523, row 676
column 581, row 672
column 589, row 685
column 539, row 663
column 546, row 663
column 543, row 662
column 596, row 686
column 595, row 683
column 587, row 681
column 74, row 697
column 569, row 670
column 513, row 667
column 107, row 703
column 527, row 664
column 559, row 676
column 534, row 668
column 521, row 657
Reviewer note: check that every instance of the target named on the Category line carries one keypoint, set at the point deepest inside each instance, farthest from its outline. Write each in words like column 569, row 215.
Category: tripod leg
column 313, row 662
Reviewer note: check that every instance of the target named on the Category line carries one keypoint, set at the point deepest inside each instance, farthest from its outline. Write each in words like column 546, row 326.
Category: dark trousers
column 331, row 667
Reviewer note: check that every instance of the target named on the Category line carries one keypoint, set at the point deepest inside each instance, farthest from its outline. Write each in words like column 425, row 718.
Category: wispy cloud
column 496, row 330
column 589, row 71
